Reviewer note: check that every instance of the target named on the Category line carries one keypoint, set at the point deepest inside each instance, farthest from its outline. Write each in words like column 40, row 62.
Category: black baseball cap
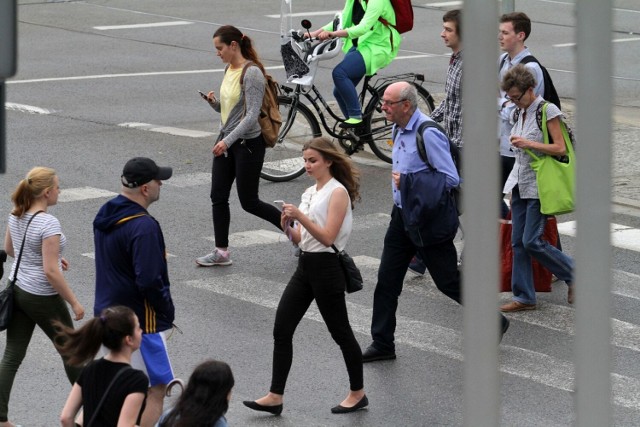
column 140, row 170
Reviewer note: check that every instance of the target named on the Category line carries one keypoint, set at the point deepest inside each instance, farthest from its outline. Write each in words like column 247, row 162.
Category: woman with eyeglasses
column 528, row 222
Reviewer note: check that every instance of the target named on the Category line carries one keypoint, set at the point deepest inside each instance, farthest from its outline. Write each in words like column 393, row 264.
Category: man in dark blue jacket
column 131, row 270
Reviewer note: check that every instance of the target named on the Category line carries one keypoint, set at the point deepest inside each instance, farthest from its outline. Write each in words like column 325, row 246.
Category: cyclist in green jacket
column 371, row 43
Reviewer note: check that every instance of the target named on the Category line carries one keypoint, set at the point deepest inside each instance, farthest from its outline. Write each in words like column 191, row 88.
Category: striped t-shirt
column 31, row 277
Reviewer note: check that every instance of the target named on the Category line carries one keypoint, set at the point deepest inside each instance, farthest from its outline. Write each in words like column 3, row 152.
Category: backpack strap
column 420, row 143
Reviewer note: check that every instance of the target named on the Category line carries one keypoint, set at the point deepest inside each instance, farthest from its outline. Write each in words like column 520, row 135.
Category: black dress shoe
column 343, row 410
column 371, row 354
column 505, row 325
column 275, row 409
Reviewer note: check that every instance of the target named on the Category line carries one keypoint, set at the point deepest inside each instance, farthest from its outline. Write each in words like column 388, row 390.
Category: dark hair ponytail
column 80, row 345
column 228, row 34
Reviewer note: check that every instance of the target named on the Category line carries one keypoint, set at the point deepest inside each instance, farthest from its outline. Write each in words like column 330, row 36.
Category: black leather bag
column 351, row 272
column 6, row 295
column 6, row 305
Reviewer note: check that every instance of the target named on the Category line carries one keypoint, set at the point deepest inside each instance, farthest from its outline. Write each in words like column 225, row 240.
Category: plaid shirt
column 449, row 112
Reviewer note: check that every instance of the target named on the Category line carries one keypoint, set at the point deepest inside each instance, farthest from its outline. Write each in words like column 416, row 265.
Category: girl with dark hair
column 205, row 400
column 40, row 290
column 324, row 219
column 110, row 392
column 239, row 151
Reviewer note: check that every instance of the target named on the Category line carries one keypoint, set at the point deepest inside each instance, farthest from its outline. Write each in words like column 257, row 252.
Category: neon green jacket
column 374, row 38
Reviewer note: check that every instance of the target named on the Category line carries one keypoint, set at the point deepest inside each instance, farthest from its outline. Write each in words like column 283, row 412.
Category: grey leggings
column 29, row 310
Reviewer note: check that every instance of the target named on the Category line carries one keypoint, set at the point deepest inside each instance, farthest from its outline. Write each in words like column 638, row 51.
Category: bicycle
column 301, row 56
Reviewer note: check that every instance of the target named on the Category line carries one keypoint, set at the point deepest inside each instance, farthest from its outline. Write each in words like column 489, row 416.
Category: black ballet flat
column 275, row 409
column 343, row 410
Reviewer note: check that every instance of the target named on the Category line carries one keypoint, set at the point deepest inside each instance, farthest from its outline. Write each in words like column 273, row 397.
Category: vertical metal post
column 480, row 165
column 508, row 6
column 3, row 130
column 593, row 253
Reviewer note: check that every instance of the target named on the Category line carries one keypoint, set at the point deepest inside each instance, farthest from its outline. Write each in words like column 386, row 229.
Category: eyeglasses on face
column 387, row 102
column 518, row 98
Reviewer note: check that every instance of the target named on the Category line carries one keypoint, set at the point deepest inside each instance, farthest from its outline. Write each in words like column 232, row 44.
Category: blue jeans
column 527, row 242
column 346, row 76
column 441, row 261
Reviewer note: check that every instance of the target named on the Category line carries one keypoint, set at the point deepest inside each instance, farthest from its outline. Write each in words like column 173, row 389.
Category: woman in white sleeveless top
column 323, row 219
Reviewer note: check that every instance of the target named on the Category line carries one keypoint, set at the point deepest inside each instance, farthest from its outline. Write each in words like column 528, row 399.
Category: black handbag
column 6, row 295
column 351, row 272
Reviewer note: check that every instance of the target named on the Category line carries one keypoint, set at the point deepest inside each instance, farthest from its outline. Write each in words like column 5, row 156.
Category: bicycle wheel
column 379, row 127
column 283, row 162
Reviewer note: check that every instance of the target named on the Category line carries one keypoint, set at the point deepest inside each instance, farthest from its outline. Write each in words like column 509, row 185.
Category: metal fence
column 593, row 251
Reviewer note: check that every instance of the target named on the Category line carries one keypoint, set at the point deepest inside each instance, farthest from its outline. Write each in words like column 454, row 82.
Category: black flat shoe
column 371, row 354
column 342, row 410
column 505, row 325
column 275, row 409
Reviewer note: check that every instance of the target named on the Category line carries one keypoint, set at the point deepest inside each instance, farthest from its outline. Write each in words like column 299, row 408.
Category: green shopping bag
column 556, row 179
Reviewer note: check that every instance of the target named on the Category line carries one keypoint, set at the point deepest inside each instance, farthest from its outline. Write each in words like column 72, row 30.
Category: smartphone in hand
column 279, row 203
column 205, row 97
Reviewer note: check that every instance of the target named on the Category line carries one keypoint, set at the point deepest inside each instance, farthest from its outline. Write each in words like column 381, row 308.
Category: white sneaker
column 214, row 258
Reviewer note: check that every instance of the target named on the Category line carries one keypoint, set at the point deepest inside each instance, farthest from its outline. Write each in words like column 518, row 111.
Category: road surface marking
column 529, row 365
column 305, row 14
column 622, row 236
column 26, row 108
column 151, row 25
column 189, row 180
column 168, row 130
column 83, row 193
column 444, row 4
column 630, row 39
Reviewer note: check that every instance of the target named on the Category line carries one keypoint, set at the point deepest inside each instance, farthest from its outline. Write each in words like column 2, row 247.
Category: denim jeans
column 242, row 164
column 526, row 239
column 346, row 76
column 319, row 276
column 441, row 261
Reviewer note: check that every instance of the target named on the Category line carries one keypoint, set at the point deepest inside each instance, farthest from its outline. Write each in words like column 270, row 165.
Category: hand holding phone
column 279, row 202
column 206, row 98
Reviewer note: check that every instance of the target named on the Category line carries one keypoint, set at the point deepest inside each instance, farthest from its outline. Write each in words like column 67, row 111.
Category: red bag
column 541, row 276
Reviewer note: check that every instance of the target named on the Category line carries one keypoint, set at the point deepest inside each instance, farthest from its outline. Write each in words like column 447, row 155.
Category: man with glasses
column 131, row 270
column 400, row 106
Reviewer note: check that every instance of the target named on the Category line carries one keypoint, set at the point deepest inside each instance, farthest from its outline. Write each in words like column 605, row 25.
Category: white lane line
column 168, row 130
column 622, row 236
column 26, row 108
column 424, row 336
column 189, row 180
column 626, row 284
column 444, row 4
column 114, row 76
column 305, row 14
column 83, row 193
column 151, row 25
column 630, row 39
column 244, row 239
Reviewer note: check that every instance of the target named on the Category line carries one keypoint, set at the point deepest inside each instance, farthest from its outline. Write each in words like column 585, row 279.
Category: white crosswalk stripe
column 531, row 365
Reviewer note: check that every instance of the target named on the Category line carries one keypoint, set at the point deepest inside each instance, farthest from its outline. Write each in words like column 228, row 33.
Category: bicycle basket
column 294, row 66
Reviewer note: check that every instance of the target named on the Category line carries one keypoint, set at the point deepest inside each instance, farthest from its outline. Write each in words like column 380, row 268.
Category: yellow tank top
column 229, row 92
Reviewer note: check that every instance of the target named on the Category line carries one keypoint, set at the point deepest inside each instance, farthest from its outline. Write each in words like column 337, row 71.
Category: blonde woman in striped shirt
column 40, row 291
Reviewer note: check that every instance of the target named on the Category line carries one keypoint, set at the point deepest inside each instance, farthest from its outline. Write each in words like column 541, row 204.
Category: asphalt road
column 86, row 83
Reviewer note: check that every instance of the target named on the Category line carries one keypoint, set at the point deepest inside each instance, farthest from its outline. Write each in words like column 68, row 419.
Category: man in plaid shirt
column 449, row 112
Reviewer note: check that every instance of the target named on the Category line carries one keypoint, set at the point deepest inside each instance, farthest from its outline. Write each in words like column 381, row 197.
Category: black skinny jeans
column 320, row 277
column 242, row 164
